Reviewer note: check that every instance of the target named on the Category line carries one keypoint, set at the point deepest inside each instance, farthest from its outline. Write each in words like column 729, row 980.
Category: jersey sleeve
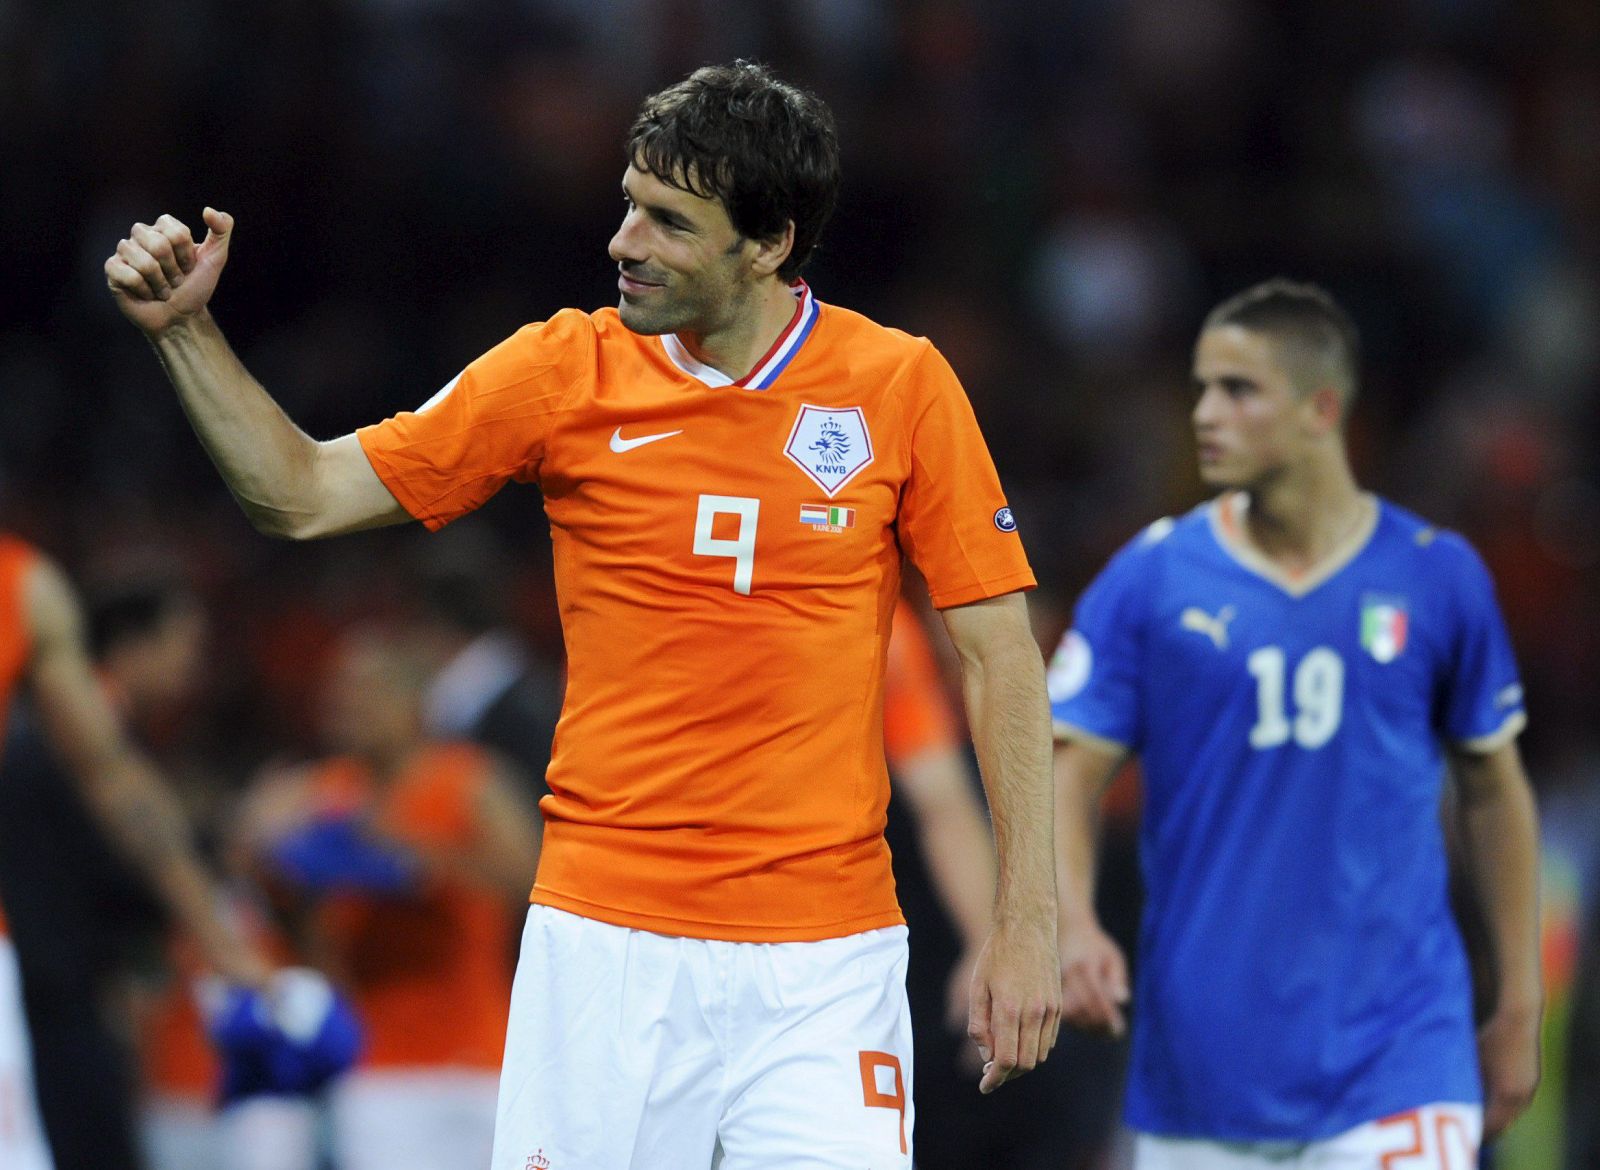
column 916, row 712
column 1482, row 705
column 488, row 426
column 954, row 522
column 1094, row 675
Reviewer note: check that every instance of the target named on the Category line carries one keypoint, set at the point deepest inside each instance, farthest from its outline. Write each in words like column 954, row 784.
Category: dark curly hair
column 766, row 150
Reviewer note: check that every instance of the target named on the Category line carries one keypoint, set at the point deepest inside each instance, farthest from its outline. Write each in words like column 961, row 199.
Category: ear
column 770, row 254
column 1325, row 408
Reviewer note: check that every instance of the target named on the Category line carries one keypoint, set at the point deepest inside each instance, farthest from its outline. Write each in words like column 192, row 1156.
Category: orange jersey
column 917, row 716
column 429, row 974
column 727, row 558
column 176, row 1058
column 16, row 644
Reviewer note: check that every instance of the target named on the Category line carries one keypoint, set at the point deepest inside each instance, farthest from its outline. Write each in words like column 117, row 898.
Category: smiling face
column 1251, row 422
column 683, row 268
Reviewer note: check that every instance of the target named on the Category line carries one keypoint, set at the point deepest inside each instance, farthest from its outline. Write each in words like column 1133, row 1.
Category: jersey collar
column 1227, row 513
column 772, row 363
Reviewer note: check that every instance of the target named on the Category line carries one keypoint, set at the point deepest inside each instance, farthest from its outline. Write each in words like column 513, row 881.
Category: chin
column 642, row 320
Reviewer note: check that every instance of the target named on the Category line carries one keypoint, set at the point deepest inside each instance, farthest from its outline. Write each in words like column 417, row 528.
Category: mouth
column 633, row 286
column 1209, row 452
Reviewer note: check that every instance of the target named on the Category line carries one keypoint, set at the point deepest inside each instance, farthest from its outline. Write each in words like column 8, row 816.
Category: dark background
column 1053, row 190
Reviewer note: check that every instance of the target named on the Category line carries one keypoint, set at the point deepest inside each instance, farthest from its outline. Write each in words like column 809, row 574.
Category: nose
column 625, row 246
column 1207, row 407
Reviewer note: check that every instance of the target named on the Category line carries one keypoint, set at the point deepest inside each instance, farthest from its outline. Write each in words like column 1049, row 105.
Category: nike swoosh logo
column 619, row 444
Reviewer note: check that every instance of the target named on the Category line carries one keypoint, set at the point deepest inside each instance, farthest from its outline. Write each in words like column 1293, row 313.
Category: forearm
column 959, row 853
column 1501, row 833
column 1084, row 769
column 268, row 463
column 1010, row 720
column 1077, row 851
column 145, row 821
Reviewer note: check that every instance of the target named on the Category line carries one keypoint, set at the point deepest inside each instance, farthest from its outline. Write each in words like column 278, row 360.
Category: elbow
column 271, row 524
column 284, row 525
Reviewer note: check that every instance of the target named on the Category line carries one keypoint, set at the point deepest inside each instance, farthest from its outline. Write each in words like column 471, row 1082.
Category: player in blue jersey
column 1299, row 665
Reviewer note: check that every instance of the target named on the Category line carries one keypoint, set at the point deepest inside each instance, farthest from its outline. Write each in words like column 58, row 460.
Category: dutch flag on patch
column 823, row 514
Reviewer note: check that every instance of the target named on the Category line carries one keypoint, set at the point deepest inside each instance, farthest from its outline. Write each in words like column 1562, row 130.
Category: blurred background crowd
column 1054, row 191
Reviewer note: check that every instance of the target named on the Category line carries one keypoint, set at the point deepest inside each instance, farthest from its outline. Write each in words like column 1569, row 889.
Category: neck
column 389, row 761
column 1299, row 518
column 753, row 324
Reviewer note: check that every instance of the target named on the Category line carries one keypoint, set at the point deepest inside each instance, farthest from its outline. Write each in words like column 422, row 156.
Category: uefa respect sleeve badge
column 830, row 444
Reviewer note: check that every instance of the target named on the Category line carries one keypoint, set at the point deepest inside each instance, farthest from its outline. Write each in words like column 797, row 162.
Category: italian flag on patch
column 1384, row 624
column 828, row 517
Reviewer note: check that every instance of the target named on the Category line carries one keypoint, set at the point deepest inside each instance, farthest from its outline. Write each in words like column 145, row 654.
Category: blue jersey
column 1299, row 970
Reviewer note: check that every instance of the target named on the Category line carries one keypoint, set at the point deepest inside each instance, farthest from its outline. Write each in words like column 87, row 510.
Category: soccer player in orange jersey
column 713, row 968
column 42, row 647
column 403, row 858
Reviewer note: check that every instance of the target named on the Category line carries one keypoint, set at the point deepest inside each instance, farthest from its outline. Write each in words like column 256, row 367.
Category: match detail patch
column 827, row 518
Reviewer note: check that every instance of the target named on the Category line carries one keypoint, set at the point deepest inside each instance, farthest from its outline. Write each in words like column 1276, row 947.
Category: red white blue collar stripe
column 772, row 363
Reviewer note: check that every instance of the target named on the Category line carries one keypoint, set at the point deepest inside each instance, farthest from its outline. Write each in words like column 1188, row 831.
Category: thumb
column 1116, row 977
column 219, row 230
column 1119, row 986
column 978, row 1023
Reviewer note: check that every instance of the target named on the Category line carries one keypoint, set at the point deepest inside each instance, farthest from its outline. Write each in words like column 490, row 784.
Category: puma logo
column 1215, row 628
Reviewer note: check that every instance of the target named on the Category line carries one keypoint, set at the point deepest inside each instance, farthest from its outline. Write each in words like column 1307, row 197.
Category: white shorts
column 258, row 1133
column 414, row 1119
column 1432, row 1137
column 634, row 1051
column 22, row 1141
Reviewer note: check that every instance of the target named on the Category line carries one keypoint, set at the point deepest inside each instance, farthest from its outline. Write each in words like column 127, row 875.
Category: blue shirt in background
column 1299, row 970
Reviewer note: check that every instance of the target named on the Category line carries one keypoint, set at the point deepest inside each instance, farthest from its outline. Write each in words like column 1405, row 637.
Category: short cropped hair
column 768, row 151
column 1320, row 338
column 127, row 610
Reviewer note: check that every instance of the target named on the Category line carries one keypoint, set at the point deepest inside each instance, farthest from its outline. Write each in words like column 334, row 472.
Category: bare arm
column 959, row 850
column 1016, row 998
column 506, row 851
column 1501, row 834
column 120, row 786
column 1094, row 973
column 955, row 838
column 287, row 483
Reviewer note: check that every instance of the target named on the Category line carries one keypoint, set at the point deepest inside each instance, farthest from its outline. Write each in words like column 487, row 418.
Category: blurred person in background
column 718, row 786
column 42, row 649
column 206, row 1104
column 80, row 917
column 1287, row 660
column 1583, row 1051
column 933, row 781
column 398, row 865
column 944, row 866
column 487, row 687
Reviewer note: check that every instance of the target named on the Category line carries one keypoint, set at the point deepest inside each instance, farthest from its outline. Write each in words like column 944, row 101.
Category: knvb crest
column 830, row 445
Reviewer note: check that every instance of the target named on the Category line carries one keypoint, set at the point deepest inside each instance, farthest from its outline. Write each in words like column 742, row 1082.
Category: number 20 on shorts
column 742, row 547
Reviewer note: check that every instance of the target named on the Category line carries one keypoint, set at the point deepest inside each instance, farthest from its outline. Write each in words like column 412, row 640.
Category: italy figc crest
column 830, row 444
column 1384, row 625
